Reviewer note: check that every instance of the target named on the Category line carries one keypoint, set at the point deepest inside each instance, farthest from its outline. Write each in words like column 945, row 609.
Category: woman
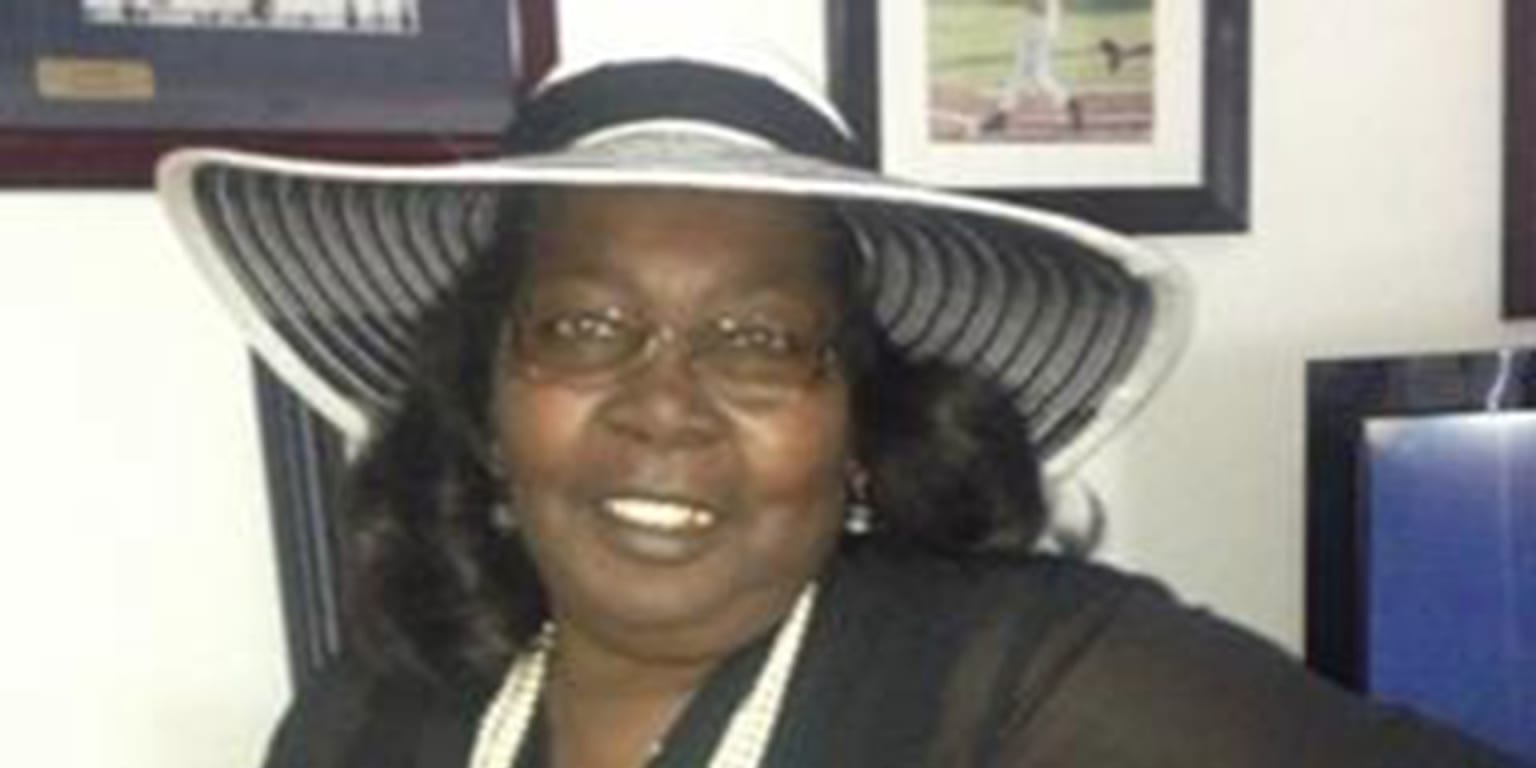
column 686, row 445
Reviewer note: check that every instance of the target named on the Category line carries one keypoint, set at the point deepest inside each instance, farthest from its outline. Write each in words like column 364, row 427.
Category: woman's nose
column 666, row 402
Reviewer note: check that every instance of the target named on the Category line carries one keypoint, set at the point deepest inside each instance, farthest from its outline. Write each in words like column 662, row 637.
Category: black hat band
column 609, row 96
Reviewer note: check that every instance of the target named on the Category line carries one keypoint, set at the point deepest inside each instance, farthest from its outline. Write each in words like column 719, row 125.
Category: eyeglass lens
column 751, row 355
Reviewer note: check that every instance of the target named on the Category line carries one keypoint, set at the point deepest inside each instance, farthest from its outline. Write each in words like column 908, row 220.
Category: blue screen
column 1451, row 548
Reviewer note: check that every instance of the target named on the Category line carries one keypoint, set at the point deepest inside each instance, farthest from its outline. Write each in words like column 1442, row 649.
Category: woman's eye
column 759, row 337
column 581, row 325
column 577, row 326
column 580, row 341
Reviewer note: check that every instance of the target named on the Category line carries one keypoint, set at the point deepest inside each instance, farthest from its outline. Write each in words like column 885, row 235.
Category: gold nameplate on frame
column 76, row 79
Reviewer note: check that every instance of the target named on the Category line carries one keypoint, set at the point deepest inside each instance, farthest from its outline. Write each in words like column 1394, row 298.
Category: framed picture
column 93, row 91
column 1520, row 159
column 1131, row 113
column 1421, row 535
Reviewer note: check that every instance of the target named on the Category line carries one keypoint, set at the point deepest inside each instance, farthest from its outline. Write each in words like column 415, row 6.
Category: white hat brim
column 326, row 266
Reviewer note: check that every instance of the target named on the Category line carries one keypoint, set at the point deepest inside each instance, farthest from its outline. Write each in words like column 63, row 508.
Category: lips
column 658, row 529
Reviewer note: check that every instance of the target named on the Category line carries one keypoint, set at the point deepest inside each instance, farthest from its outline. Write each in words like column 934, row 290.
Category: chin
column 687, row 613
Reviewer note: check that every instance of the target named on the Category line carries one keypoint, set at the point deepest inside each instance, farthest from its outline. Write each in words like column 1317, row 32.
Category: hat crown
column 674, row 94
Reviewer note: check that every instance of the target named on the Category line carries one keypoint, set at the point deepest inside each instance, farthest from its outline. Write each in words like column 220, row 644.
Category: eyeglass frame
column 822, row 356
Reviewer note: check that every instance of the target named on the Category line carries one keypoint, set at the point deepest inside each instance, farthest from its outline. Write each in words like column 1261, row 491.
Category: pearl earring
column 859, row 518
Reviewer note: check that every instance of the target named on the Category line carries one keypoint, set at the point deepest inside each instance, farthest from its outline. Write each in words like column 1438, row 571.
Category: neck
column 613, row 695
column 583, row 665
column 607, row 708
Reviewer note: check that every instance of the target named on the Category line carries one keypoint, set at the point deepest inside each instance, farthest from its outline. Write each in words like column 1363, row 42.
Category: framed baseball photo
column 1132, row 113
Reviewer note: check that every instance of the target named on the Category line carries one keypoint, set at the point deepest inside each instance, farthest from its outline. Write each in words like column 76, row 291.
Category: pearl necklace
column 505, row 723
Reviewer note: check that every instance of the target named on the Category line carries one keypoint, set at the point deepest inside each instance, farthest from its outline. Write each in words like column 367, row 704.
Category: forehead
column 681, row 238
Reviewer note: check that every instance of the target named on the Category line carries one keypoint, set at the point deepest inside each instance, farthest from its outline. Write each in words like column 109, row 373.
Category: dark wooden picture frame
column 1218, row 203
column 1520, row 159
column 96, row 144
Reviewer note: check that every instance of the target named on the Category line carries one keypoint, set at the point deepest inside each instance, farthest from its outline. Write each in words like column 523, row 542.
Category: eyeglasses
column 749, row 358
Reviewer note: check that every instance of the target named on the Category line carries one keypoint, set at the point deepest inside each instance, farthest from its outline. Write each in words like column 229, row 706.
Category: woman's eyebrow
column 578, row 272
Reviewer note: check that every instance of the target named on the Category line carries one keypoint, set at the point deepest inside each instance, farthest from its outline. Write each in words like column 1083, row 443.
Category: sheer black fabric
column 916, row 661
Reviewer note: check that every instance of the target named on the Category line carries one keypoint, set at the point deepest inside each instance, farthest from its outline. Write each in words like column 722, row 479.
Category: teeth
column 660, row 515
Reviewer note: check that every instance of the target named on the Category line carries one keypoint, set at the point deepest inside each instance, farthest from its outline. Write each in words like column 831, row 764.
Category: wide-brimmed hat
column 329, row 267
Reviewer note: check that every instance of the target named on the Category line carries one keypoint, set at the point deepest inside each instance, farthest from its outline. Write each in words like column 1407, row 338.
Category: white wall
column 141, row 625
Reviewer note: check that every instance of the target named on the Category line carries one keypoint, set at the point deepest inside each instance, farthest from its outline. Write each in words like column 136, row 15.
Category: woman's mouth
column 657, row 530
column 658, row 515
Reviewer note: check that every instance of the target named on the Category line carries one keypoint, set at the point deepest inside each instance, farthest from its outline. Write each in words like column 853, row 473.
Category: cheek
column 797, row 461
column 799, row 457
column 539, row 432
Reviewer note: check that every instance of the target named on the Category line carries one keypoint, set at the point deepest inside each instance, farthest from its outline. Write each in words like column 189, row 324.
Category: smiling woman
column 686, row 444
column 676, row 508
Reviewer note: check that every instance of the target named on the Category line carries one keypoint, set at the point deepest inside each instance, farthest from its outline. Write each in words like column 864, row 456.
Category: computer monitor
column 1421, row 541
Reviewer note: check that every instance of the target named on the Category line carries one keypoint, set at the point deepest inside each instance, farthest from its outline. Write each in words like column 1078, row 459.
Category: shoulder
column 1126, row 674
column 988, row 575
column 350, row 715
column 1064, row 662
column 1020, row 590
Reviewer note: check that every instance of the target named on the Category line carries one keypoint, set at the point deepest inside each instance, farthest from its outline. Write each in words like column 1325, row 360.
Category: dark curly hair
column 436, row 591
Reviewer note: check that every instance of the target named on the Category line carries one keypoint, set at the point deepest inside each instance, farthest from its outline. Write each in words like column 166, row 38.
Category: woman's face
column 691, row 490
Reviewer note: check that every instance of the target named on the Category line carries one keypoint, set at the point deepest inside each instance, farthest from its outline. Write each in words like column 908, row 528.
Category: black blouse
column 912, row 660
